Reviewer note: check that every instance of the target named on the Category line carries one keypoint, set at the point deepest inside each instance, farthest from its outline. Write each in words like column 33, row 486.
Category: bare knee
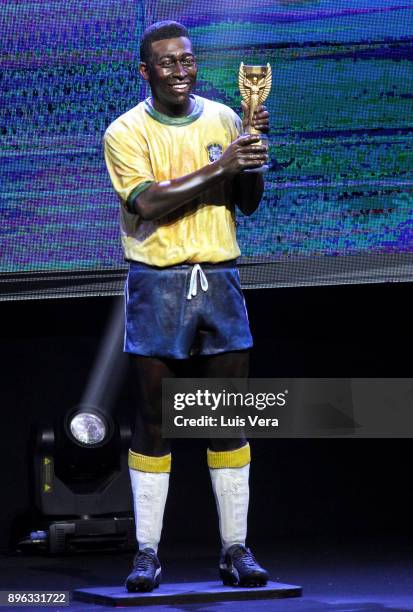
column 226, row 444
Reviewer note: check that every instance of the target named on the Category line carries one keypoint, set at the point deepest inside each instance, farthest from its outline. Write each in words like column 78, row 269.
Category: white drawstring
column 193, row 284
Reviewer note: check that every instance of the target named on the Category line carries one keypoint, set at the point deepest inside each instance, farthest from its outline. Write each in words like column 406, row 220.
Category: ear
column 144, row 70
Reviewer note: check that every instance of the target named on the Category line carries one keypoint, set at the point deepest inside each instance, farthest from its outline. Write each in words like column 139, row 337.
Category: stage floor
column 340, row 576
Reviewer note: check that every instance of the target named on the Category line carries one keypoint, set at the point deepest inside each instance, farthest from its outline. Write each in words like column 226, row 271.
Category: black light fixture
column 81, row 476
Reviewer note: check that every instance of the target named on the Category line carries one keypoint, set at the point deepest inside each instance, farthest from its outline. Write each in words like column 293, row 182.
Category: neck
column 176, row 110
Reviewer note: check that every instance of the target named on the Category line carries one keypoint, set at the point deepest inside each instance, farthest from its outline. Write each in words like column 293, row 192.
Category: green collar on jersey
column 167, row 120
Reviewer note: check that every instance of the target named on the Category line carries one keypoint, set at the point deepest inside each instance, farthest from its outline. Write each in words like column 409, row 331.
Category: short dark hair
column 159, row 31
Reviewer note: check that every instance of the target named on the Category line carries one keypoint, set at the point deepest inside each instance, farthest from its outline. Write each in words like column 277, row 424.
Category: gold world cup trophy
column 255, row 85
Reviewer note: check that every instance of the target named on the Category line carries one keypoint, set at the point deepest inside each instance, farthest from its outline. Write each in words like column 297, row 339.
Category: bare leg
column 149, row 372
column 149, row 467
column 225, row 365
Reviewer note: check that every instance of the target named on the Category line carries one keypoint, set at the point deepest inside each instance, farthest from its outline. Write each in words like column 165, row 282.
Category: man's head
column 161, row 30
column 168, row 63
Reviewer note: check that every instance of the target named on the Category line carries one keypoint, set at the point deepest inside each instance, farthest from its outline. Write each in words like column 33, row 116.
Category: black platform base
column 180, row 593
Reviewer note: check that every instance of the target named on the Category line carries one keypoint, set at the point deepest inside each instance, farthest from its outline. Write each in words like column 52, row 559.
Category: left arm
column 248, row 187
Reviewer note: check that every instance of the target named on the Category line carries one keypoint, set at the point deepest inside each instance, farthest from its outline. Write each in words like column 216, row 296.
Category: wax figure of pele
column 176, row 162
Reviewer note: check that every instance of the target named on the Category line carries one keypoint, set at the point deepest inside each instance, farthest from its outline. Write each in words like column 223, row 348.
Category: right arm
column 161, row 198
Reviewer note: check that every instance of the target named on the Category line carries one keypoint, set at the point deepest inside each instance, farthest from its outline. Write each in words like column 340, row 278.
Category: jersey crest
column 214, row 151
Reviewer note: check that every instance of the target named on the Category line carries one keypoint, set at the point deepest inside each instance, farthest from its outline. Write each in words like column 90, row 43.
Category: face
column 171, row 72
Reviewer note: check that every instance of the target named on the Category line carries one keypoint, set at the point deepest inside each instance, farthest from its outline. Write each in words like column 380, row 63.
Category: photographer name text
column 224, row 421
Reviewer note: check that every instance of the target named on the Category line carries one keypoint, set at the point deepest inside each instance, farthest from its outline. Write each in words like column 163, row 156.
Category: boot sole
column 231, row 579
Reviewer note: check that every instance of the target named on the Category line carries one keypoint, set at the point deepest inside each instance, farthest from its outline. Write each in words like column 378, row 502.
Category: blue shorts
column 185, row 310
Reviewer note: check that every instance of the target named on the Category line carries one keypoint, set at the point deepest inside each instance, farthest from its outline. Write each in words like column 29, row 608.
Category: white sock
column 231, row 491
column 149, row 490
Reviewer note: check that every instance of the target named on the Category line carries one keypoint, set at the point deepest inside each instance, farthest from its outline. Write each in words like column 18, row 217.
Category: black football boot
column 146, row 573
column 238, row 567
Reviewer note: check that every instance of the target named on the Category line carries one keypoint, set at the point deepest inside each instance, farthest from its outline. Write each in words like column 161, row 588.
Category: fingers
column 246, row 152
column 260, row 120
column 262, row 127
column 248, row 139
column 253, row 160
column 250, row 152
column 261, row 114
column 254, row 150
column 261, row 109
column 253, row 164
column 254, row 155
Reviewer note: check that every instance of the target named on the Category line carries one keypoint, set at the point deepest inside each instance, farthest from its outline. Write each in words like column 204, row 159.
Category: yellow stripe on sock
column 148, row 463
column 228, row 459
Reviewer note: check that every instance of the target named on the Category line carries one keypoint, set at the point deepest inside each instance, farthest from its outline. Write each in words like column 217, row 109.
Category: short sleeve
column 234, row 124
column 128, row 164
column 229, row 120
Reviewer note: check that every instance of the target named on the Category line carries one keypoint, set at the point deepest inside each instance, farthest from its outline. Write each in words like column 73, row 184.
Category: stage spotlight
column 88, row 426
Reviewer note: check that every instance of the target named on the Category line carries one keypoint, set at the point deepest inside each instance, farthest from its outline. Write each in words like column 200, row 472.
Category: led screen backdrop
column 338, row 204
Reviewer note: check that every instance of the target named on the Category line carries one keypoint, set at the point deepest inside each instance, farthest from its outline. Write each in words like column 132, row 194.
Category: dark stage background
column 321, row 487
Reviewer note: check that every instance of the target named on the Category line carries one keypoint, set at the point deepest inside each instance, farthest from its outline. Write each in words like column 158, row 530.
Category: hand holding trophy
column 255, row 85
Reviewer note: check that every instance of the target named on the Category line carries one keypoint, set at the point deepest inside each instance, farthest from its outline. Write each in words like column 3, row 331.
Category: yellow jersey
column 142, row 146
